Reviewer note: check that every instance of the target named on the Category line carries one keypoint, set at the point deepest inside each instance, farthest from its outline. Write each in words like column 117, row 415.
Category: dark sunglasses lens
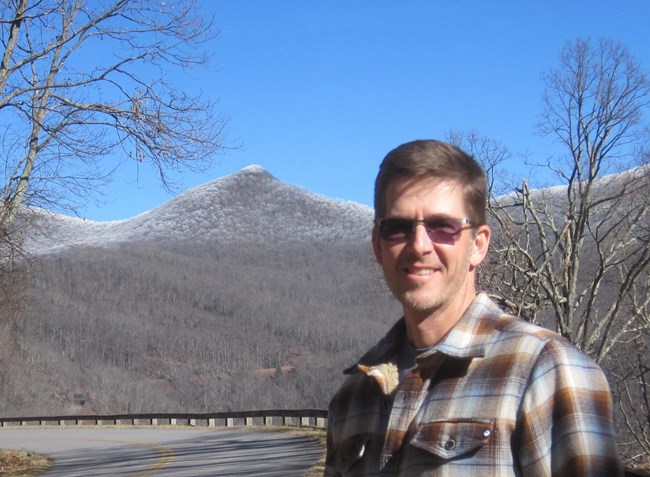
column 442, row 228
column 395, row 230
column 400, row 230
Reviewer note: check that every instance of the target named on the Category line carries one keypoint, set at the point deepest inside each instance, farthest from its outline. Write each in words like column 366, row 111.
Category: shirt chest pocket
column 455, row 438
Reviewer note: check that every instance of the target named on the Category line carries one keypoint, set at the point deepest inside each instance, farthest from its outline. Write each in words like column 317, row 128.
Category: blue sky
column 319, row 91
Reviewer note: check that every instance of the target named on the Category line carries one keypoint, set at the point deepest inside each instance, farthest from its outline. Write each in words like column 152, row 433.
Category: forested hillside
column 242, row 294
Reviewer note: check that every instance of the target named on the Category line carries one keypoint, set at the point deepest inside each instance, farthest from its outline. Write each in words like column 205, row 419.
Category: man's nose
column 420, row 241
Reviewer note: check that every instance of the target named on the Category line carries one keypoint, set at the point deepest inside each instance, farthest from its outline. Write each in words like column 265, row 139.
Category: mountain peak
column 253, row 173
column 253, row 168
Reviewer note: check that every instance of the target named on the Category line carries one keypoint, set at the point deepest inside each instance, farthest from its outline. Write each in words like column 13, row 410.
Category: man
column 457, row 387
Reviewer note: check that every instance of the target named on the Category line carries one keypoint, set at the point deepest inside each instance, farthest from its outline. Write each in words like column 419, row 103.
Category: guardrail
column 301, row 418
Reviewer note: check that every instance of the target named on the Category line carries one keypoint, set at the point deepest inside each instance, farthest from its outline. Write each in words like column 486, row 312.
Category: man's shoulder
column 501, row 330
column 516, row 326
column 502, row 322
column 551, row 350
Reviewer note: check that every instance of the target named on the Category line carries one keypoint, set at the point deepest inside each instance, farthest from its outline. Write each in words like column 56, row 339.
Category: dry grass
column 22, row 463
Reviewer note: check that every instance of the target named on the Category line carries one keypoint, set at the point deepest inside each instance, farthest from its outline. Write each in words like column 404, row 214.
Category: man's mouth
column 420, row 271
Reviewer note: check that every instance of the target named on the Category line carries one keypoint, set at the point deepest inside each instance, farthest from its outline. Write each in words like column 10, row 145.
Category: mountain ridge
column 249, row 205
column 242, row 206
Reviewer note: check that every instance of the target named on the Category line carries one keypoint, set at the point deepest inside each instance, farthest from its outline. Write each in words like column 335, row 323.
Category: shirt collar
column 470, row 336
column 467, row 339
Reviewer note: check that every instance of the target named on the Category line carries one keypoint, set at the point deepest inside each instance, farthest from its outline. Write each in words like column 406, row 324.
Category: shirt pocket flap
column 453, row 438
column 348, row 452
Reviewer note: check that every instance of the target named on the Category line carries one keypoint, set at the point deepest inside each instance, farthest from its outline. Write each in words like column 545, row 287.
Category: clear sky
column 319, row 91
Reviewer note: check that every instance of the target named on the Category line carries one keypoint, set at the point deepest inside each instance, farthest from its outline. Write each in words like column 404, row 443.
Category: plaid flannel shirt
column 497, row 396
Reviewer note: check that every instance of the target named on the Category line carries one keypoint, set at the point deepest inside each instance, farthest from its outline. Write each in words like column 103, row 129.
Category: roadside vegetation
column 18, row 463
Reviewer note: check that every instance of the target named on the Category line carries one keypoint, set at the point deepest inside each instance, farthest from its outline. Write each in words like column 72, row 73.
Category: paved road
column 121, row 452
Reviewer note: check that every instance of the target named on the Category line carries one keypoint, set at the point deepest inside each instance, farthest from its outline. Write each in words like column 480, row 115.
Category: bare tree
column 85, row 86
column 577, row 256
column 580, row 250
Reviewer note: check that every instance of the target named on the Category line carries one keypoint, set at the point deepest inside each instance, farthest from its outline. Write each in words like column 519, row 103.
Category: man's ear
column 376, row 245
column 481, row 245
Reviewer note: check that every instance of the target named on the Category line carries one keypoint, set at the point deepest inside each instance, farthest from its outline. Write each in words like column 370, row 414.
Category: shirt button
column 450, row 444
column 486, row 433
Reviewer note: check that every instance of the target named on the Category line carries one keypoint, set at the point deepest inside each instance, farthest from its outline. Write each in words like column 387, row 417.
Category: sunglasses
column 439, row 229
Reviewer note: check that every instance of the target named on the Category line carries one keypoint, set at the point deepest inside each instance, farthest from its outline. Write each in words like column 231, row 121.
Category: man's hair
column 435, row 160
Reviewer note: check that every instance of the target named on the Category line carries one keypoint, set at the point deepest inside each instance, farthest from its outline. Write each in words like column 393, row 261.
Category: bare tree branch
column 85, row 86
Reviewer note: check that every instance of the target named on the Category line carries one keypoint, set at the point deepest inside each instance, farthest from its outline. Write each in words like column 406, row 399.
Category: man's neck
column 426, row 329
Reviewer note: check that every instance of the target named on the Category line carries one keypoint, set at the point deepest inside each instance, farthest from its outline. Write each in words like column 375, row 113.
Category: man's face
column 429, row 275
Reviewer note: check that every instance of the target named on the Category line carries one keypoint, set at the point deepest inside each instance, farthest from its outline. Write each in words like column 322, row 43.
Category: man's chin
column 420, row 304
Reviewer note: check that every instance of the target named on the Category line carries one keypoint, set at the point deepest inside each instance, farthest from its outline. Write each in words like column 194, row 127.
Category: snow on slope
column 247, row 206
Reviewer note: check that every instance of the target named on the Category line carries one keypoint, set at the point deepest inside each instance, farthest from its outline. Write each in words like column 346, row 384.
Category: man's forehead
column 424, row 196
column 421, row 185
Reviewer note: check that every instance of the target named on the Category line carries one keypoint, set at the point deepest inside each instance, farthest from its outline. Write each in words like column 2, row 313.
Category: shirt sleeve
column 565, row 422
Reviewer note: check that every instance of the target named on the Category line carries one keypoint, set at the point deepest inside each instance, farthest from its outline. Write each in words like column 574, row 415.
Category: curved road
column 148, row 452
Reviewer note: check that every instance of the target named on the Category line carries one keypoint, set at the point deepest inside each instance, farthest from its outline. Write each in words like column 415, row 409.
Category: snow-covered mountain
column 248, row 206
